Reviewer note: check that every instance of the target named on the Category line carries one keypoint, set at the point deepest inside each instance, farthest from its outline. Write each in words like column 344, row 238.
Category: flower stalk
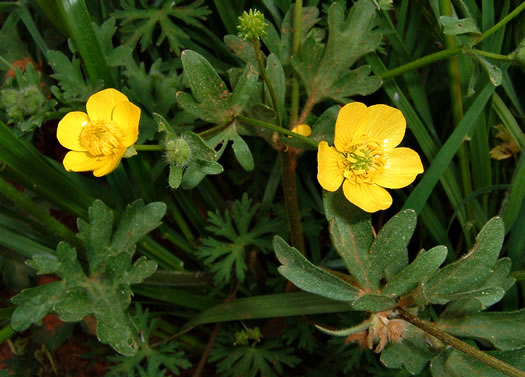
column 273, row 127
column 148, row 148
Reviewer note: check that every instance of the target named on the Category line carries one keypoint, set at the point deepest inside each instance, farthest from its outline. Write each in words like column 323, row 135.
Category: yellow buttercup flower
column 365, row 159
column 99, row 139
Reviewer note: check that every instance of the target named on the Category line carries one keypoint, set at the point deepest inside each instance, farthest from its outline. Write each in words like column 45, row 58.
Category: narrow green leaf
column 373, row 303
column 275, row 73
column 244, row 89
column 269, row 306
column 296, row 268
column 470, row 272
column 494, row 72
column 75, row 15
column 508, row 120
column 242, row 152
column 410, row 277
column 419, row 196
column 498, row 328
column 458, row 364
column 517, row 195
column 389, row 253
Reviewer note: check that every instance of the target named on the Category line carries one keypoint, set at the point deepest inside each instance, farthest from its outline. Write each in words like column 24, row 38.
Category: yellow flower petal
column 331, row 167
column 101, row 104
column 80, row 161
column 127, row 116
column 368, row 197
column 68, row 131
column 351, row 121
column 401, row 168
column 109, row 164
column 302, row 129
column 386, row 124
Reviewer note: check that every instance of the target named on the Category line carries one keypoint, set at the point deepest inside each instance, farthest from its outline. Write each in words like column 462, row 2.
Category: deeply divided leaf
column 105, row 292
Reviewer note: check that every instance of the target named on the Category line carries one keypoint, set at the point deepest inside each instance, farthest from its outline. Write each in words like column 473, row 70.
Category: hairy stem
column 273, row 95
column 273, row 127
column 485, row 358
column 298, row 25
column 148, row 148
column 502, row 22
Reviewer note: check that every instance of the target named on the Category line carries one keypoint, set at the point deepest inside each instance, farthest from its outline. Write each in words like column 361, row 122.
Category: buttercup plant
column 300, row 157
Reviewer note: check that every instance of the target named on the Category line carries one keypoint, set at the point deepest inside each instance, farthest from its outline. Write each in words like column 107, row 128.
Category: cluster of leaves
column 140, row 23
column 240, row 231
column 382, row 278
column 244, row 353
column 104, row 290
column 138, row 43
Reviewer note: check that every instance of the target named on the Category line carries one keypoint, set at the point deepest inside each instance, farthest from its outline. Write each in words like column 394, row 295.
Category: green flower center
column 101, row 137
column 363, row 161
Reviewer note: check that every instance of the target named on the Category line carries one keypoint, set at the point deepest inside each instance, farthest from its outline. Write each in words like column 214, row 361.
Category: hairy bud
column 252, row 25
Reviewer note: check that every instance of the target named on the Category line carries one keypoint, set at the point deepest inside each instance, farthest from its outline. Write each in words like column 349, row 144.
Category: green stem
column 259, row 55
column 502, row 22
column 215, row 129
column 492, row 55
column 6, row 63
column 518, row 275
column 298, row 25
column 456, row 50
column 291, row 204
column 148, row 148
column 437, row 56
column 289, row 159
column 485, row 358
column 24, row 203
column 273, row 127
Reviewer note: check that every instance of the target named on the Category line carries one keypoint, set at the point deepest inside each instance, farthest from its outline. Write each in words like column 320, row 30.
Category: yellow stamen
column 364, row 160
column 101, row 137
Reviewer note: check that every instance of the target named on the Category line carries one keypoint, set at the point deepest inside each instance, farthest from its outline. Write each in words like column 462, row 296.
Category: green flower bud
column 30, row 100
column 251, row 25
column 178, row 151
column 8, row 98
column 20, row 103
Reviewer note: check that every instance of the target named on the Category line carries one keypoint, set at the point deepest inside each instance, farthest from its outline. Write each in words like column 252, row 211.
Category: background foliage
column 201, row 242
